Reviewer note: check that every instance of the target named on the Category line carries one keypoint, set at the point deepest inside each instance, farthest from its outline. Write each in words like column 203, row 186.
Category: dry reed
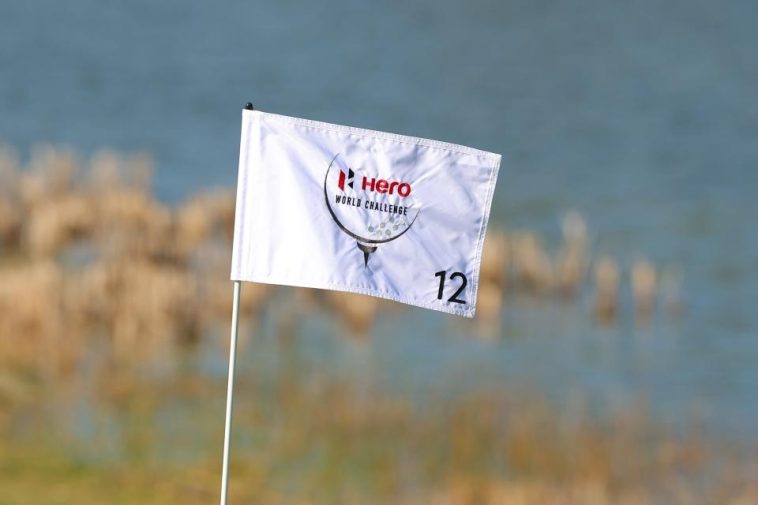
column 89, row 256
column 90, row 253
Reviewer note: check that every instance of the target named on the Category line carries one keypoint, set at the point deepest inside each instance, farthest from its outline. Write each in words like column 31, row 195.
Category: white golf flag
column 335, row 207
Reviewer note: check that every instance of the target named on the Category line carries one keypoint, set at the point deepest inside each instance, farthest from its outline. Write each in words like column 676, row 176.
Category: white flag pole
column 230, row 383
column 230, row 392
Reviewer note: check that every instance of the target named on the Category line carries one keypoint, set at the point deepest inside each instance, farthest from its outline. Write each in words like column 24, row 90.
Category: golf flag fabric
column 348, row 209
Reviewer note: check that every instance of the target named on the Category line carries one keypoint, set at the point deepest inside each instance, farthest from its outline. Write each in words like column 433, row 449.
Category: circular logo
column 367, row 203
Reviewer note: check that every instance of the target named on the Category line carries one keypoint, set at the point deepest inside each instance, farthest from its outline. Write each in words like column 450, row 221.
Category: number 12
column 453, row 299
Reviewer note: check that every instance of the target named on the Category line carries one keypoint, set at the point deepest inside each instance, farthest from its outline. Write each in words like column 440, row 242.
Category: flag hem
column 493, row 158
column 469, row 313
column 483, row 230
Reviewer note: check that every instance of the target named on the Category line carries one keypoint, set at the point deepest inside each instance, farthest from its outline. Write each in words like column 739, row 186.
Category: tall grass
column 87, row 252
column 99, row 281
column 318, row 440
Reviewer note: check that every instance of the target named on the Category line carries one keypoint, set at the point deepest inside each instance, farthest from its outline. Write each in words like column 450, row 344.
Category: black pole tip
column 249, row 106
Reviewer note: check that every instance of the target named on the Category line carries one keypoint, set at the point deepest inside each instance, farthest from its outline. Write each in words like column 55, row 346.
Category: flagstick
column 230, row 392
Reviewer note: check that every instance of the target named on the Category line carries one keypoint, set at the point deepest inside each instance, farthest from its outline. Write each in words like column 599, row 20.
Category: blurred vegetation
column 322, row 441
column 104, row 290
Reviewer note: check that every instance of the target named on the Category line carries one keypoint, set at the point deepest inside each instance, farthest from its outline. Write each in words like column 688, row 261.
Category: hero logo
column 343, row 177
column 374, row 185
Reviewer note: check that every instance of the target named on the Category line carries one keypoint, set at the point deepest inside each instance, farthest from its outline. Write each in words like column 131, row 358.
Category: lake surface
column 643, row 116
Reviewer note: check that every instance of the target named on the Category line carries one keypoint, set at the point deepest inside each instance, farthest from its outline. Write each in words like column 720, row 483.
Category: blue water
column 641, row 115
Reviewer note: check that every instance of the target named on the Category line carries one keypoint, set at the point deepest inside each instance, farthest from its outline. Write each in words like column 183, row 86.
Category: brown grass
column 89, row 259
column 318, row 440
column 86, row 249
